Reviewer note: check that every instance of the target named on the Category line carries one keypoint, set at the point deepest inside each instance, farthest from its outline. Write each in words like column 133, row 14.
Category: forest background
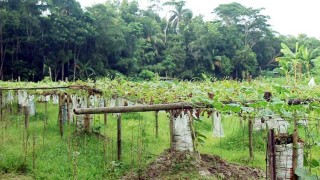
column 59, row 39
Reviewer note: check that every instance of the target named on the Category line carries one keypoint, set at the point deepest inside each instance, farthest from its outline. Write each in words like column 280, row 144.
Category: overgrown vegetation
column 59, row 39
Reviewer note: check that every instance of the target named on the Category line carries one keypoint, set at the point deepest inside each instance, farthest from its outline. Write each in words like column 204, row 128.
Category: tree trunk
column 74, row 70
column 62, row 71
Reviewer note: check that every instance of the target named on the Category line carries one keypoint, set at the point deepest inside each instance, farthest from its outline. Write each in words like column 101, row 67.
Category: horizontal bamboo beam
column 161, row 107
column 139, row 108
column 55, row 87
column 35, row 88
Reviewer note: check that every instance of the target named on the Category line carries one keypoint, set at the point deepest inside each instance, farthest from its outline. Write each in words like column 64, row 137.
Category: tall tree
column 179, row 14
column 250, row 22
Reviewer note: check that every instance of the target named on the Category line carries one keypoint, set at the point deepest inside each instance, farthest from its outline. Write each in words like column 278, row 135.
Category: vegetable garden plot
column 78, row 149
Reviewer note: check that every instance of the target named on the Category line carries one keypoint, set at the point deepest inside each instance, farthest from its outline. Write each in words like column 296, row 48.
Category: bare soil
column 173, row 165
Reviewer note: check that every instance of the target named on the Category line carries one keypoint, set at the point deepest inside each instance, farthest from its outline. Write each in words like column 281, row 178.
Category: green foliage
column 147, row 75
column 39, row 38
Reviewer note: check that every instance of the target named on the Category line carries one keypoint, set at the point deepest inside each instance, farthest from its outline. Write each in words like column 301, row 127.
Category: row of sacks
column 24, row 100
column 267, row 119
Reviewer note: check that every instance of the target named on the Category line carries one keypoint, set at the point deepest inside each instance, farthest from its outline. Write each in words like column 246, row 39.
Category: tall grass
column 90, row 157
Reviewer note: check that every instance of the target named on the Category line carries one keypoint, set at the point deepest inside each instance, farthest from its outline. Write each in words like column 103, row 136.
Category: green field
column 41, row 153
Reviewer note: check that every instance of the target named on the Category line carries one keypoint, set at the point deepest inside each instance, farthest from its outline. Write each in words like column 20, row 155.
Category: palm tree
column 84, row 70
column 178, row 14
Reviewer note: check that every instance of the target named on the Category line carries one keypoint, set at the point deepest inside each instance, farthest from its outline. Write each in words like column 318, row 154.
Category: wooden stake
column 87, row 127
column 60, row 115
column 157, row 123
column 105, row 115
column 119, row 136
column 271, row 155
column 171, row 130
column 46, row 112
column 250, row 138
column 68, row 110
column 33, row 152
column 26, row 117
column 295, row 147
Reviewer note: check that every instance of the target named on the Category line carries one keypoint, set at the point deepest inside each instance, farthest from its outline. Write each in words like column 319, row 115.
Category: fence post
column 119, row 136
column 295, row 147
column 105, row 116
column 26, row 117
column 157, row 123
column 271, row 155
column 250, row 137
column 60, row 115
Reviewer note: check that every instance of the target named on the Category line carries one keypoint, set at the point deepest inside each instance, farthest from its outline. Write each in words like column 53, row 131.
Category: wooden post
column 33, row 152
column 68, row 109
column 119, row 136
column 88, row 117
column 250, row 137
column 87, row 126
column 60, row 115
column 105, row 117
column 171, row 129
column 271, row 155
column 157, row 123
column 26, row 117
column 295, row 147
column 46, row 112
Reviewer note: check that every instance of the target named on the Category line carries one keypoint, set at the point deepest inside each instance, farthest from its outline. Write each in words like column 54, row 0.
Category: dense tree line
column 58, row 38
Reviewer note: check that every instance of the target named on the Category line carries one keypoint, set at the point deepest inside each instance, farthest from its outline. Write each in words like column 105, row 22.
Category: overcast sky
column 287, row 17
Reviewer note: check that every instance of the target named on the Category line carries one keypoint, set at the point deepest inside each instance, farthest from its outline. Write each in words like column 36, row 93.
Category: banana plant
column 290, row 58
column 309, row 56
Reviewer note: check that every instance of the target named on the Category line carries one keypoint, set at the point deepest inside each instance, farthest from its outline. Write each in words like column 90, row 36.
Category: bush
column 147, row 75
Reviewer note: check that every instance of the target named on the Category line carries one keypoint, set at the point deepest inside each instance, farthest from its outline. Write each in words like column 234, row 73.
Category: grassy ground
column 40, row 152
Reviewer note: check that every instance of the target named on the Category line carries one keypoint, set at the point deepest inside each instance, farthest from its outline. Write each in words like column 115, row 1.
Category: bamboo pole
column 140, row 108
column 35, row 88
column 159, row 107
